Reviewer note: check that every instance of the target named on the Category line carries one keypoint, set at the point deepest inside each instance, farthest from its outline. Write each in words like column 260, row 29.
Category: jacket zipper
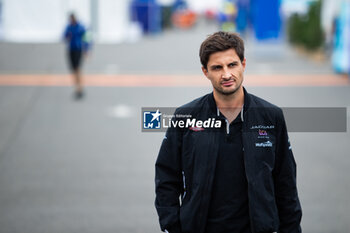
column 227, row 127
column 184, row 182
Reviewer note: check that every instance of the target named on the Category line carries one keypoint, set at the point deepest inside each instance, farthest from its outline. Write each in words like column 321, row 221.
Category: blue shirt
column 74, row 34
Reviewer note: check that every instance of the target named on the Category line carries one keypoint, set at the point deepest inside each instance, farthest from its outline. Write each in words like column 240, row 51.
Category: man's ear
column 244, row 63
column 205, row 71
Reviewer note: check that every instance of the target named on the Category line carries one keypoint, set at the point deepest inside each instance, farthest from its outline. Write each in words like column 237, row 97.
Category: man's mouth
column 227, row 83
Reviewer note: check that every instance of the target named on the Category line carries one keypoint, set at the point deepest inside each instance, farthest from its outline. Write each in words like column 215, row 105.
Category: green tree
column 305, row 30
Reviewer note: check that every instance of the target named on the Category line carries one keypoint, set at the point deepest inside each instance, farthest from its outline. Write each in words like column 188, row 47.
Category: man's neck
column 230, row 105
column 234, row 100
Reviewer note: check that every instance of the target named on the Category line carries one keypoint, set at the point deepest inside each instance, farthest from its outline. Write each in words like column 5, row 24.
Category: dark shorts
column 75, row 59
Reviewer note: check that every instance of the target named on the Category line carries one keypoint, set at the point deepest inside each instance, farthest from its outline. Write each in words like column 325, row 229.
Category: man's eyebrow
column 214, row 66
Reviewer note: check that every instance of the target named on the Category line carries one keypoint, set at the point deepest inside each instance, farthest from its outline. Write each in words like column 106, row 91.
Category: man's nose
column 226, row 74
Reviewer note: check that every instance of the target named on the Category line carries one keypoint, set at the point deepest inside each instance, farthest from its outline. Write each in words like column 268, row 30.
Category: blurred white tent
column 201, row 6
column 44, row 21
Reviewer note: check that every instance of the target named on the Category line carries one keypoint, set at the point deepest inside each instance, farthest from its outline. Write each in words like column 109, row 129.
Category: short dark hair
column 221, row 41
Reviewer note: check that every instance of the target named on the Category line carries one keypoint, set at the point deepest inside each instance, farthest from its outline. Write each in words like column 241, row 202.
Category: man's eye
column 216, row 67
column 232, row 65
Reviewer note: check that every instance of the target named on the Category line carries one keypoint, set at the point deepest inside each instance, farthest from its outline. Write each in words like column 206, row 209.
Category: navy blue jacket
column 186, row 164
column 74, row 34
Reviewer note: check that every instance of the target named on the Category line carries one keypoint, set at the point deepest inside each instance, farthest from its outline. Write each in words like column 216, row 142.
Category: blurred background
column 70, row 165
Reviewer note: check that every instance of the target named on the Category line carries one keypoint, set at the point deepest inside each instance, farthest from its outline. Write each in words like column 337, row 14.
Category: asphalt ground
column 85, row 166
column 82, row 166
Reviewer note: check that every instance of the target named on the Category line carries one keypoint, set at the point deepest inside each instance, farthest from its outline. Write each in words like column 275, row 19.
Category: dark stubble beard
column 227, row 93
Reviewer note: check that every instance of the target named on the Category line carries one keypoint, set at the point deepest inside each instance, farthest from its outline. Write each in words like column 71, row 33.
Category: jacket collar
column 214, row 109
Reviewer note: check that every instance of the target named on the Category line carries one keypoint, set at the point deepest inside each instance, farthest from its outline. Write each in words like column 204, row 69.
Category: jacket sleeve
column 286, row 193
column 66, row 34
column 168, row 181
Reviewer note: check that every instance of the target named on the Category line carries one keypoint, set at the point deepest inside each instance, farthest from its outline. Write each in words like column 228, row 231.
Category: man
column 240, row 178
column 74, row 34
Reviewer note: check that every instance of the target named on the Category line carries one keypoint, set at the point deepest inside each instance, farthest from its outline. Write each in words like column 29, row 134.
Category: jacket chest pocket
column 195, row 147
column 188, row 149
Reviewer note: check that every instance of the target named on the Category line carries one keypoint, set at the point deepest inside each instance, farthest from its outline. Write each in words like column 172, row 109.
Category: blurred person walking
column 74, row 36
column 238, row 176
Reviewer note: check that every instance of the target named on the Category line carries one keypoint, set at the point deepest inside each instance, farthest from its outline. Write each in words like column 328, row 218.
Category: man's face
column 72, row 19
column 225, row 71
